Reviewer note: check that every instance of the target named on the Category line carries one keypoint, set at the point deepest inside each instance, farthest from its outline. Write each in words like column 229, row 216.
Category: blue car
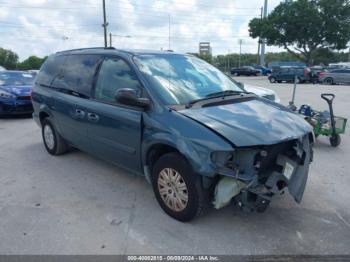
column 196, row 136
column 15, row 92
column 264, row 70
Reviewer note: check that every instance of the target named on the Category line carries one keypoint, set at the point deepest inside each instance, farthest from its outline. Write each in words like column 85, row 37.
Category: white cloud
column 41, row 27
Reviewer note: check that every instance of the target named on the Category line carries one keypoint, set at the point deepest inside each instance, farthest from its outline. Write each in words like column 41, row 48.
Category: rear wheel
column 54, row 143
column 272, row 80
column 335, row 140
column 329, row 81
column 177, row 188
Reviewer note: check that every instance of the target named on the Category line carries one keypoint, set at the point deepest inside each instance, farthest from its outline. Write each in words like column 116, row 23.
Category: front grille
column 5, row 108
column 24, row 108
column 24, row 98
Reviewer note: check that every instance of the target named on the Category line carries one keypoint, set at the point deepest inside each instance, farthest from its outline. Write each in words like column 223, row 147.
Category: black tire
column 329, row 81
column 59, row 145
column 196, row 201
column 335, row 140
column 272, row 80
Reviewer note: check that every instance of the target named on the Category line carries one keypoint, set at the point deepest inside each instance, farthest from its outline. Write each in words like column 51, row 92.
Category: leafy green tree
column 8, row 59
column 303, row 27
column 32, row 62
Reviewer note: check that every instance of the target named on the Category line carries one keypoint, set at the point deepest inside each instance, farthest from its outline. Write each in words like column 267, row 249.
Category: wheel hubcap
column 172, row 189
column 49, row 138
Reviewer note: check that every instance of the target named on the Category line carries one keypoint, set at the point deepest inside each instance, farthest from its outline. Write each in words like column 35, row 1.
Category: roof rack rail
column 87, row 48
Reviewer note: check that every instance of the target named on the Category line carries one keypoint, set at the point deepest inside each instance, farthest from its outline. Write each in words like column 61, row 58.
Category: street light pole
column 262, row 56
column 105, row 24
column 259, row 40
column 110, row 39
column 228, row 61
column 240, row 41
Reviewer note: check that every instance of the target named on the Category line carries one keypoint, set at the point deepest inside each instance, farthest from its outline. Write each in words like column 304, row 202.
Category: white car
column 263, row 92
column 259, row 91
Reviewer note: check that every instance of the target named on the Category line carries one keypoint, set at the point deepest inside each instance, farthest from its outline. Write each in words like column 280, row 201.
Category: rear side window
column 114, row 74
column 50, row 69
column 78, row 74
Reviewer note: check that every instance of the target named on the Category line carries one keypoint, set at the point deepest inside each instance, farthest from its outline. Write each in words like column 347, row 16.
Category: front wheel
column 329, row 81
column 272, row 80
column 177, row 188
column 335, row 140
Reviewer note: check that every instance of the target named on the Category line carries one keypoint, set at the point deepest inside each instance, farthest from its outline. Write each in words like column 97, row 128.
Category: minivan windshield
column 16, row 78
column 180, row 79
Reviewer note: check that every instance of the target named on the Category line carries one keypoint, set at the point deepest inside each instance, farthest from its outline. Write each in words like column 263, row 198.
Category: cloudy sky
column 41, row 27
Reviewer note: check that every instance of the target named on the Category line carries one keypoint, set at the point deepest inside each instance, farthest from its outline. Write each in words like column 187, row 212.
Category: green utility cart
column 325, row 123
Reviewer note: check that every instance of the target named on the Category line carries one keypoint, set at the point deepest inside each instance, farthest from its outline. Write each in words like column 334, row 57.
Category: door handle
column 79, row 113
column 93, row 117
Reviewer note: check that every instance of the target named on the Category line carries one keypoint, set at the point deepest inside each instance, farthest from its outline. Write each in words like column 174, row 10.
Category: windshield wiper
column 215, row 95
column 224, row 93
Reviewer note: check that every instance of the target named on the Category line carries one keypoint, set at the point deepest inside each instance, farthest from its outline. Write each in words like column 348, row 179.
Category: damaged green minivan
column 195, row 135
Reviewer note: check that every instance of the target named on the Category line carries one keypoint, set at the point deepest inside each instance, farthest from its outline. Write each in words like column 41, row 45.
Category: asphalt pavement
column 76, row 204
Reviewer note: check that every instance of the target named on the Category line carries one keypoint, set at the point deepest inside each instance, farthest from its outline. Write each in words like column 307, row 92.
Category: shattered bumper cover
column 261, row 172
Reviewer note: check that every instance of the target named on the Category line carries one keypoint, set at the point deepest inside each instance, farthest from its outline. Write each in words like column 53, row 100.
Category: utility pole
column 240, row 41
column 228, row 61
column 110, row 39
column 169, row 32
column 105, row 24
column 262, row 56
column 259, row 40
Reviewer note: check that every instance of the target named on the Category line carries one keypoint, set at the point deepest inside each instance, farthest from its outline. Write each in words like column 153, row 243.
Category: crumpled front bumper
column 259, row 173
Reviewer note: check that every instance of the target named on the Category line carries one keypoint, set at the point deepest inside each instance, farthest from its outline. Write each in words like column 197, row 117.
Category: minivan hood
column 252, row 122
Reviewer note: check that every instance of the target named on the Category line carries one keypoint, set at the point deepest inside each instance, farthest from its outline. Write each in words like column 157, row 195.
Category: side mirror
column 128, row 96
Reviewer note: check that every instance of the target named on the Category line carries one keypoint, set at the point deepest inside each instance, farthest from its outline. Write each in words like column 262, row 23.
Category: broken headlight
column 222, row 158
